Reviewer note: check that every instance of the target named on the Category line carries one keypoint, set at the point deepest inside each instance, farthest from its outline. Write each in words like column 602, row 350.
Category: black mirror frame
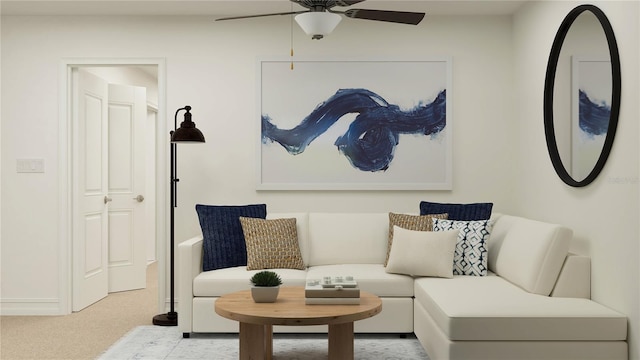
column 549, row 84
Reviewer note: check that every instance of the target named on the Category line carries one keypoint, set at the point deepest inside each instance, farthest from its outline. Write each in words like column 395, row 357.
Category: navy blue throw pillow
column 463, row 212
column 224, row 245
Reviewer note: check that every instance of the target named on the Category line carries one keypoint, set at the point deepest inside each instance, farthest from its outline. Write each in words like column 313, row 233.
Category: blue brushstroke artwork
column 373, row 135
column 593, row 118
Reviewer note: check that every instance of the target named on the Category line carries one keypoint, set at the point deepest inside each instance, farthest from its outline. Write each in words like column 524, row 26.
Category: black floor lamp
column 186, row 133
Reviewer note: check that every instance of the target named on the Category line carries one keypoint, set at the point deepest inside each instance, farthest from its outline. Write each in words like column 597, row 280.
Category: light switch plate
column 30, row 165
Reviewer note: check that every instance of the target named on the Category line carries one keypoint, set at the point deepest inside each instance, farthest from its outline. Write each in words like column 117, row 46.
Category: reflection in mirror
column 582, row 95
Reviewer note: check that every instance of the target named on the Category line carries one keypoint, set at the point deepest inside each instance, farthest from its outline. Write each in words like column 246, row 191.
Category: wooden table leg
column 341, row 341
column 256, row 342
column 268, row 342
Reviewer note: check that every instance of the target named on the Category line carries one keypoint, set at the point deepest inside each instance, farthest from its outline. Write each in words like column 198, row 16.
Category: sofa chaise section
column 534, row 304
column 491, row 318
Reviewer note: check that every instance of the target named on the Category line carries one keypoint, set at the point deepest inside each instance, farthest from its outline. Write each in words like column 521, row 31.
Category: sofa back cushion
column 302, row 227
column 339, row 238
column 528, row 253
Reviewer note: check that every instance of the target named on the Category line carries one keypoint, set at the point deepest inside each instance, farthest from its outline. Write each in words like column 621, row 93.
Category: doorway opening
column 136, row 74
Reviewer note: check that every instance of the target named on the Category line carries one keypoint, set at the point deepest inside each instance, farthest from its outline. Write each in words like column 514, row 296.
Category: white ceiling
column 218, row 8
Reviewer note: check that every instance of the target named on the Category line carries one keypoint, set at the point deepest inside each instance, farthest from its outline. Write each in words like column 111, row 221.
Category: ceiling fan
column 320, row 19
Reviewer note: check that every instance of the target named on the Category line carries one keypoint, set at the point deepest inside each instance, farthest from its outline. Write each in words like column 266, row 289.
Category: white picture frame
column 392, row 97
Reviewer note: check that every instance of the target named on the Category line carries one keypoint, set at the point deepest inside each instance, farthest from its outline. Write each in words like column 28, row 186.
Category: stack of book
column 337, row 290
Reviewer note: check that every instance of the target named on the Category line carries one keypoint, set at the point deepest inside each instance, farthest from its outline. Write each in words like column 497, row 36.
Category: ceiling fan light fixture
column 318, row 24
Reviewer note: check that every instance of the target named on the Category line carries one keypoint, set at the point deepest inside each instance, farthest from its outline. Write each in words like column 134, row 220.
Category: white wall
column 211, row 66
column 603, row 215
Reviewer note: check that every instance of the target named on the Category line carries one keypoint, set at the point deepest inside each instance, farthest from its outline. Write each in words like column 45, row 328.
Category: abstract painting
column 354, row 125
column 591, row 91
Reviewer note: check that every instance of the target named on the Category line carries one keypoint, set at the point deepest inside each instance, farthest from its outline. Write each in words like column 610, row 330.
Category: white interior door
column 90, row 162
column 127, row 172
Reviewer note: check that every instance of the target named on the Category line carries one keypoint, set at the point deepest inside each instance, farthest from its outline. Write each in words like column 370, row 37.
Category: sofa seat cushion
column 491, row 308
column 224, row 281
column 370, row 277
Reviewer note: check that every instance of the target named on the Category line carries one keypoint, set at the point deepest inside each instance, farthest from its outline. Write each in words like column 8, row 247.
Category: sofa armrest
column 189, row 266
column 575, row 278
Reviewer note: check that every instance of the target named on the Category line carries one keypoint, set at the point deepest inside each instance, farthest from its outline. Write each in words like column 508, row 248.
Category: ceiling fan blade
column 347, row 2
column 261, row 15
column 402, row 17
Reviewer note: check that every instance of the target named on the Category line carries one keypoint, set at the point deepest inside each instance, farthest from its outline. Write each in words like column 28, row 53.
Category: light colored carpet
column 82, row 335
column 166, row 343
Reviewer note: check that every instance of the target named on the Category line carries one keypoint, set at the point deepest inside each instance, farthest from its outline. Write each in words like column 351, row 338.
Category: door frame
column 65, row 183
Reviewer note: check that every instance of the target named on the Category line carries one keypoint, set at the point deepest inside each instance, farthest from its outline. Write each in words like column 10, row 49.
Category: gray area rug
column 159, row 343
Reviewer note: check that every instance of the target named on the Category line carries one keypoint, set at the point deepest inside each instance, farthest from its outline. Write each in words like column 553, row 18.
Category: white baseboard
column 19, row 307
column 167, row 305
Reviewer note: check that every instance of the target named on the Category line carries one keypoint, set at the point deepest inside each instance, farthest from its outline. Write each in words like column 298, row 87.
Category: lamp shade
column 318, row 24
column 187, row 132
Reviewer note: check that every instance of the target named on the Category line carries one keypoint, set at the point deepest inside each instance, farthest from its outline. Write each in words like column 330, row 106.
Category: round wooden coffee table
column 257, row 320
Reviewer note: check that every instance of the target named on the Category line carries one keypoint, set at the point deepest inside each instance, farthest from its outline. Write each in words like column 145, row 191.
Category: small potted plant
column 266, row 285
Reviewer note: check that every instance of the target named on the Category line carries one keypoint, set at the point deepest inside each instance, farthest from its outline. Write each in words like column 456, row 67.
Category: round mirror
column 582, row 95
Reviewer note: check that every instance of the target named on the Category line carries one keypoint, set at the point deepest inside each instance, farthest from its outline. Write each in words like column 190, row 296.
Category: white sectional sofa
column 534, row 302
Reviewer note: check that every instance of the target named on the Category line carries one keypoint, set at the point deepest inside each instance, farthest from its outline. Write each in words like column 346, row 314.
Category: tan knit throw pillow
column 271, row 244
column 410, row 222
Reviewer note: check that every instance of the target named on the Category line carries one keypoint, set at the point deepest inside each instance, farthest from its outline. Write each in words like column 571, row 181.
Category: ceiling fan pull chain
column 291, row 32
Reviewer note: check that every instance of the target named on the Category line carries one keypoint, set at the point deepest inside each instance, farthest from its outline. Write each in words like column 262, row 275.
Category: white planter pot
column 264, row 294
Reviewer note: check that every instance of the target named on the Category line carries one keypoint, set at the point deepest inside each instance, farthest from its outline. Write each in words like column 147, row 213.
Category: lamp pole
column 187, row 133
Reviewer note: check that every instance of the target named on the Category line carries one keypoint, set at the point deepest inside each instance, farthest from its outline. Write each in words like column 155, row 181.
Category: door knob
column 139, row 198
column 107, row 199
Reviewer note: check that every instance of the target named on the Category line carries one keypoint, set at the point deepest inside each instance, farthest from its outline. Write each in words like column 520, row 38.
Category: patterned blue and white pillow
column 470, row 256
